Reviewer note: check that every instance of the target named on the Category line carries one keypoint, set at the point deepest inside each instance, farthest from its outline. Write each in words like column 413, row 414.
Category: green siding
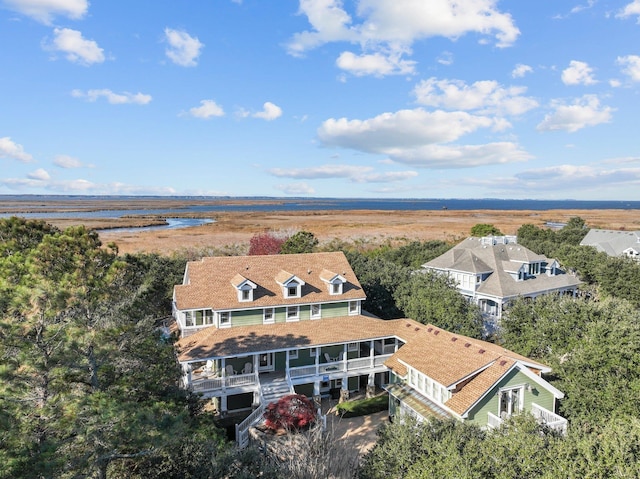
column 334, row 310
column 353, row 383
column 251, row 317
column 247, row 317
column 280, row 361
column 306, row 389
column 490, row 403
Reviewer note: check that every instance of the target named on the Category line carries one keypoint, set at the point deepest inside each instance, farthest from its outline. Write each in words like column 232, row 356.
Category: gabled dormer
column 290, row 283
column 335, row 282
column 244, row 287
column 552, row 268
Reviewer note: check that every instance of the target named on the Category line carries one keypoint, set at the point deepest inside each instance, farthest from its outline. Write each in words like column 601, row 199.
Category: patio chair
column 229, row 371
column 248, row 368
column 331, row 359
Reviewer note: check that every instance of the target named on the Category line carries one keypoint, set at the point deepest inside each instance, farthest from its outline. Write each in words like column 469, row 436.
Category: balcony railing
column 543, row 415
column 339, row 366
column 493, row 421
column 549, row 418
column 213, row 384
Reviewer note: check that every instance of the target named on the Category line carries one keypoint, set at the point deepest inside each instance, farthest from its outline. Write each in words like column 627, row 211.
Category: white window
column 336, row 288
column 511, row 401
column 225, row 319
column 268, row 316
column 315, row 311
column 352, row 347
column 354, row 307
column 313, row 352
column 292, row 289
column 293, row 354
column 189, row 318
column 246, row 295
column 293, row 313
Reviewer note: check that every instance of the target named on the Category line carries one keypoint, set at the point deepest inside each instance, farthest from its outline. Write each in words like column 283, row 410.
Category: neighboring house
column 494, row 270
column 614, row 243
column 255, row 328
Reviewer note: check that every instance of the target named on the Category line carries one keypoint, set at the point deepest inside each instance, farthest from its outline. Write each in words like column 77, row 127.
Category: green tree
column 83, row 386
column 430, row 297
column 300, row 242
column 414, row 254
column 379, row 279
column 484, row 229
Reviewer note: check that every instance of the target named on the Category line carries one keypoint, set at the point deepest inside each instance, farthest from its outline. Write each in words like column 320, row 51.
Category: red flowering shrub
column 266, row 243
column 293, row 411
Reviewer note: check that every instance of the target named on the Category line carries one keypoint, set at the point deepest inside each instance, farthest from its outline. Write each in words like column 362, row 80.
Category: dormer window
column 335, row 282
column 291, row 284
column 244, row 287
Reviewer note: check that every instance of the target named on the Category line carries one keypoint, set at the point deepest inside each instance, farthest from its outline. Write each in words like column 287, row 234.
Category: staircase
column 273, row 388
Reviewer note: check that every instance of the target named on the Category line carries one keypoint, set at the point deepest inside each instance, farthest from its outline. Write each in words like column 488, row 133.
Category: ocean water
column 298, row 204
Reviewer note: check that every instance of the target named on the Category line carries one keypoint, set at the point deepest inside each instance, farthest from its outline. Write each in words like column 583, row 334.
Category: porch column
column 344, row 356
column 286, row 363
column 256, row 362
column 186, row 368
column 256, row 399
column 223, row 404
column 344, row 390
column 317, row 399
column 371, row 386
column 371, row 354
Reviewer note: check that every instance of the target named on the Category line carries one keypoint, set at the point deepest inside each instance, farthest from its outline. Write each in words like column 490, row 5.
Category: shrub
column 293, row 411
column 361, row 407
column 266, row 243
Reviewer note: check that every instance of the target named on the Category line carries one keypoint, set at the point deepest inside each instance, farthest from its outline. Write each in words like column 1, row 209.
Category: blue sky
column 321, row 98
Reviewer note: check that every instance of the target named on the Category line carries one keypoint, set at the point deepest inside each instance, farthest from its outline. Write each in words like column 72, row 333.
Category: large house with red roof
column 254, row 328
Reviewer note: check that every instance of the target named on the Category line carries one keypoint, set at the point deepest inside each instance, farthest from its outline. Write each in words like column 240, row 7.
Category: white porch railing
column 213, row 384
column 549, row 418
column 242, row 429
column 493, row 421
column 339, row 366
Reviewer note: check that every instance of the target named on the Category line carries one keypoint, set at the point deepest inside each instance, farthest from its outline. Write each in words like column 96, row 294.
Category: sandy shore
column 364, row 226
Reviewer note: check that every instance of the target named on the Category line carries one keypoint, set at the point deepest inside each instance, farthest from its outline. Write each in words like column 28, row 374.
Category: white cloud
column 44, row 10
column 67, row 162
column 415, row 137
column 485, row 96
column 207, row 109
column 376, row 64
column 296, row 189
column 585, row 111
column 615, row 83
column 460, row 156
column 521, row 70
column 76, row 48
column 630, row 9
column 40, row 174
column 445, row 58
column 269, row 112
column 578, row 73
column 39, row 181
column 113, row 98
column 631, row 66
column 386, row 30
column 578, row 177
column 183, row 49
column 355, row 174
column 12, row 150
